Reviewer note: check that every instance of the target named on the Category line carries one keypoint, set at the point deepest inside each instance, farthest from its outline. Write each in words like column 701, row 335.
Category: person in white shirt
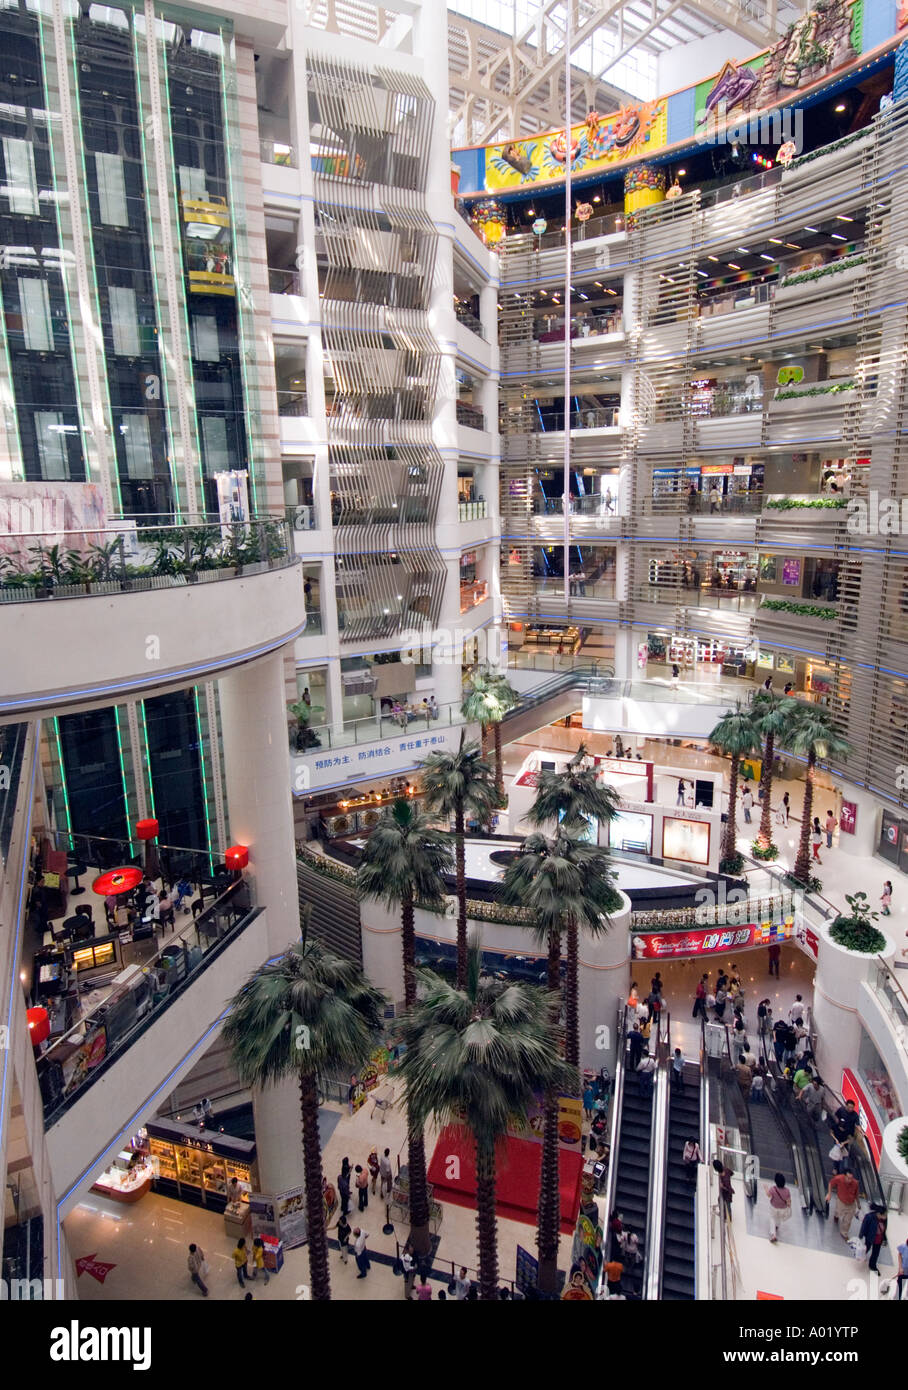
column 747, row 802
column 409, row 1265
column 462, row 1284
column 798, row 1010
column 360, row 1253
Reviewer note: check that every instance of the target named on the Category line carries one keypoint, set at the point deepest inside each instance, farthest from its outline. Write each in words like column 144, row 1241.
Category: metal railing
column 702, row 596
column 472, row 511
column 292, row 403
column 893, row 1000
column 591, row 504
column 470, row 321
column 593, row 418
column 170, row 971
column 276, row 152
column 117, row 559
column 592, row 327
column 415, row 722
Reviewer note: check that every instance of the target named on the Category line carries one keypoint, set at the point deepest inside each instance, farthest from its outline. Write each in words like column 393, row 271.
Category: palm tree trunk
column 802, row 863
column 764, row 839
column 460, row 865
column 416, row 1149
column 729, row 844
column 317, row 1239
column 486, row 1226
column 571, row 992
column 408, row 946
column 499, row 771
column 548, row 1222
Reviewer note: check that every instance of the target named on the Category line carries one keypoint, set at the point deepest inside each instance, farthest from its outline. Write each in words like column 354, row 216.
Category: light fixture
column 236, row 857
column 841, row 217
column 837, row 237
column 712, row 258
column 812, row 229
column 732, row 266
column 764, row 257
column 793, row 246
column 597, row 199
column 745, row 250
column 776, row 241
column 840, row 108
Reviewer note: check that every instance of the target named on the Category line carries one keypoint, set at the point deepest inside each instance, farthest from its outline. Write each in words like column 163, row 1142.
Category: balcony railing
column 722, row 404
column 87, row 1050
column 592, row 418
column 469, row 415
column 118, row 560
column 886, row 986
column 471, row 595
column 596, row 326
column 470, row 321
column 292, row 403
column 371, row 730
column 593, row 505
column 284, row 281
column 472, row 511
column 703, row 596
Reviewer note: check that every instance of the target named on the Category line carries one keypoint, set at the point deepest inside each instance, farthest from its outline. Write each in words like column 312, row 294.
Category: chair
column 85, row 910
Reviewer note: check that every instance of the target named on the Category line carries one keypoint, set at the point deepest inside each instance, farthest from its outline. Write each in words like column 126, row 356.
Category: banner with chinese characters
column 704, row 941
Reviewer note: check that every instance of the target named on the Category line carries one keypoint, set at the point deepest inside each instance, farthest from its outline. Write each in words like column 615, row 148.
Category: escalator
column 679, row 1243
column 632, row 1169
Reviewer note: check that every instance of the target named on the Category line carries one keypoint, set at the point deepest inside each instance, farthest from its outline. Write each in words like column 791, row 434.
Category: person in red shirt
column 775, row 955
column 845, row 1187
column 613, row 1272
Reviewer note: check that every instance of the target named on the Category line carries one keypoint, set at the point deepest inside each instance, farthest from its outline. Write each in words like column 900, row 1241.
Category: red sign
column 807, row 939
column 707, row 940
column 89, row 1264
column 853, row 1090
column 849, row 817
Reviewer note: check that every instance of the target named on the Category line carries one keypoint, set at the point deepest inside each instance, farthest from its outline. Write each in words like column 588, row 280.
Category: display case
column 199, row 1164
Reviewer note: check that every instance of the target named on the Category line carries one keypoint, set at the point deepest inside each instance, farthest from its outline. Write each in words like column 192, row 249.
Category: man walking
column 362, row 1186
column 747, row 802
column 775, row 955
column 845, row 1188
column 196, row 1265
column 386, row 1174
column 635, row 1047
column 360, row 1253
column 646, row 1073
column 831, row 826
column 678, row 1070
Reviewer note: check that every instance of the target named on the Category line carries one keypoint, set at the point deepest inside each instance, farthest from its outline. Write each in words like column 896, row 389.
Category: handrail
column 614, row 1133
column 658, row 1173
column 576, row 677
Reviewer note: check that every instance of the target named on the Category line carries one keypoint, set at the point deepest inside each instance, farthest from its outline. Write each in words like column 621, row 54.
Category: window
column 111, row 189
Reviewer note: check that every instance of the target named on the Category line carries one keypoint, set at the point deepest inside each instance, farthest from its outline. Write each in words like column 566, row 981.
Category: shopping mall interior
column 502, row 892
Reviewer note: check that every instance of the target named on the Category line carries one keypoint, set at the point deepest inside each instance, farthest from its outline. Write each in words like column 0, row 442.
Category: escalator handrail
column 614, row 1133
column 658, row 1167
column 772, row 1100
column 867, row 1165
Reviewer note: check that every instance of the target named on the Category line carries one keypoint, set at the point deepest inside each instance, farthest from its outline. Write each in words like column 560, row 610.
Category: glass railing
column 469, row 415
column 301, row 516
column 470, row 321
column 76, row 1060
column 735, row 504
column 472, row 511
column 595, row 418
column 292, row 403
column 313, row 623
column 471, row 595
column 284, row 281
column 722, row 404
column 129, row 558
column 276, row 152
column 747, row 297
column 893, row 1000
column 412, row 717
column 579, row 587
column 702, row 596
column 593, row 505
column 593, row 327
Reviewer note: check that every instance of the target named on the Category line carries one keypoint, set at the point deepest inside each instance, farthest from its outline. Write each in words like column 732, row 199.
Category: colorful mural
column 830, row 37
column 598, row 142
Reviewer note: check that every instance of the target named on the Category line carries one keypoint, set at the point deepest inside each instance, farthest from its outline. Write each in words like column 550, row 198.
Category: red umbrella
column 117, row 881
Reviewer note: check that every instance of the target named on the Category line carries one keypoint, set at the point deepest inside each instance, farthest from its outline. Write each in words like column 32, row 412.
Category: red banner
column 849, row 818
column 703, row 941
column 853, row 1090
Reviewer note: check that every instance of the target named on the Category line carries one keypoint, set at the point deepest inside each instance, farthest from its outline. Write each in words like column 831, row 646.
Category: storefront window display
column 631, row 831
column 877, row 1080
column 685, row 840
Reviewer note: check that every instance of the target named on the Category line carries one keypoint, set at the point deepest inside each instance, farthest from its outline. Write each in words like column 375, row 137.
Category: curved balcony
column 142, row 628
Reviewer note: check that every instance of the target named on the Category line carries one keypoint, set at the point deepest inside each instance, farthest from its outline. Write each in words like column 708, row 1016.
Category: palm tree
column 488, row 695
column 455, row 784
column 770, row 717
column 476, row 1056
column 811, row 732
column 573, row 797
column 403, row 862
column 308, row 1013
column 563, row 884
column 737, row 735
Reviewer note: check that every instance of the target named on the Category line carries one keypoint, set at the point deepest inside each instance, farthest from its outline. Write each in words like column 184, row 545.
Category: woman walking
column 816, row 839
column 779, row 1206
column 886, row 900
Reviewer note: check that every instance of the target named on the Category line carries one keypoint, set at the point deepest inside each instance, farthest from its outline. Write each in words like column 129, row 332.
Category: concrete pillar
column 605, row 963
column 488, row 311
column 334, row 693
column 257, row 772
column 278, row 1137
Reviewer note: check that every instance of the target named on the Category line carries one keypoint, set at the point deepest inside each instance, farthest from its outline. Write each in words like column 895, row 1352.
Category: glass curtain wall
column 32, row 264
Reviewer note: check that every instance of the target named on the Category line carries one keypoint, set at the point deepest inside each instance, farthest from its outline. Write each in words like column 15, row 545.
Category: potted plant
column 854, row 930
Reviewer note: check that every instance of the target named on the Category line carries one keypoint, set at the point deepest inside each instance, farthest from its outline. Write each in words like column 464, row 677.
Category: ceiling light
column 841, row 217
column 682, row 171
column 745, row 250
column 531, row 212
column 712, row 258
column 597, row 199
column 764, row 257
column 793, row 245
column 811, row 229
column 703, row 273
column 732, row 266
column 776, row 241
column 837, row 237
column 840, row 107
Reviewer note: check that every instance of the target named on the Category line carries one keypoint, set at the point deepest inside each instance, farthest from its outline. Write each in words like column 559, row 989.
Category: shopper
column 240, row 1261
column 715, row 499
column 198, row 1267
column 343, row 1236
column 682, row 788
column 758, row 1086
column 779, row 1206
column 386, row 1174
column 721, row 1001
column 646, row 1073
column 903, row 1267
column 779, row 1035
column 409, row 1269
column 678, row 1070
column 886, row 900
column 831, row 827
column 645, row 1029
column 613, row 1272
column 462, row 1284
column 797, row 1010
column 747, row 801
column 362, row 1186
column 258, row 1259
column 691, row 1157
column 745, row 1077
column 844, row 1187
column 423, row 1291
column 764, row 1016
column 816, row 839
column 726, row 1191
column 845, row 1122
column 873, row 1234
column 360, row 1252
column 699, row 1009
column 635, row 1047
column 775, row 955
column 589, row 1100
column 343, row 1186
column 374, row 1168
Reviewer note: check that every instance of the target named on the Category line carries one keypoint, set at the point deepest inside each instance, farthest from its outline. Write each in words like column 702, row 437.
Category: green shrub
column 855, row 930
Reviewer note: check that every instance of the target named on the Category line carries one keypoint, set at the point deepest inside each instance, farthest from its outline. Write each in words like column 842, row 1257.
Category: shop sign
column 709, row 940
column 848, row 820
column 807, row 938
column 853, row 1090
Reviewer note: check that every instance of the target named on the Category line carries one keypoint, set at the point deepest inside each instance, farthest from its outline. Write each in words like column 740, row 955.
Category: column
column 837, row 992
column 257, row 774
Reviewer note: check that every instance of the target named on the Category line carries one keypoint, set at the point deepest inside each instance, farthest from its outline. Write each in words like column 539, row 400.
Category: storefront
column 200, row 1166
